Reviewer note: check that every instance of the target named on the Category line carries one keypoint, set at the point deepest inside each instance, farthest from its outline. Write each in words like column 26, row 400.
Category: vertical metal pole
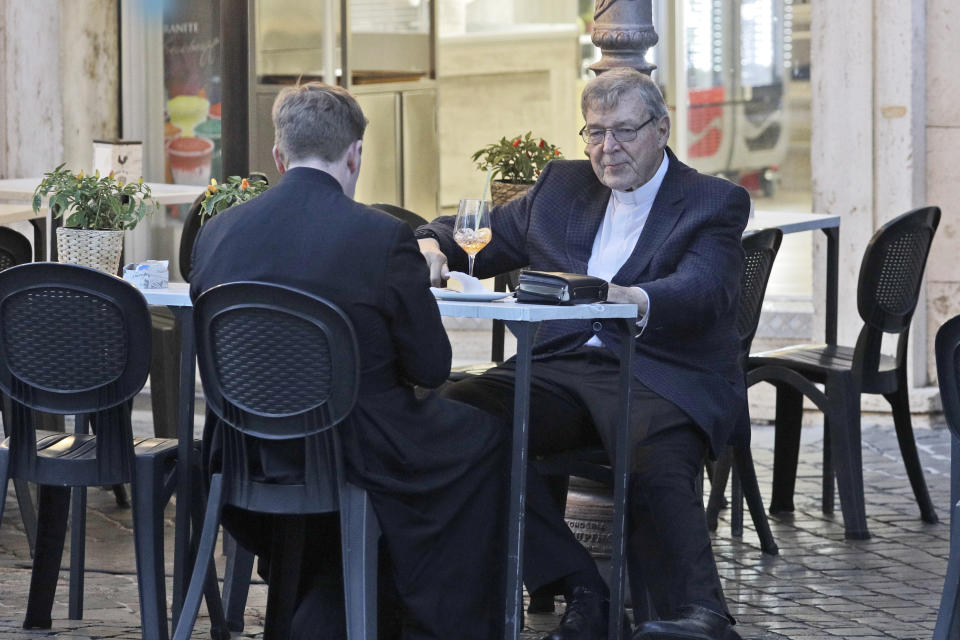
column 235, row 106
column 518, row 479
column 621, row 478
column 833, row 276
column 181, row 557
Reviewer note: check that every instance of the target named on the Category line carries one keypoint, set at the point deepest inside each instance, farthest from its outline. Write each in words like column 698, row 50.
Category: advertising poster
column 191, row 78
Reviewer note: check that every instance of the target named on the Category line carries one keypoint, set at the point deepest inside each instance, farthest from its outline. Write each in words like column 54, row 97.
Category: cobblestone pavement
column 819, row 586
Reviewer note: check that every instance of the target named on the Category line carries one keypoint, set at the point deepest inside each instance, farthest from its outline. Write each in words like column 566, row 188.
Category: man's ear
column 353, row 154
column 278, row 160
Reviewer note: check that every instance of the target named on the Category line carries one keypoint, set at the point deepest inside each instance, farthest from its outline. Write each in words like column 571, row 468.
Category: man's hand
column 436, row 261
column 630, row 295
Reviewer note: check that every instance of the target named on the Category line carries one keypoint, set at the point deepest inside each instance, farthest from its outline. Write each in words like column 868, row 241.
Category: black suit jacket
column 688, row 259
column 306, row 233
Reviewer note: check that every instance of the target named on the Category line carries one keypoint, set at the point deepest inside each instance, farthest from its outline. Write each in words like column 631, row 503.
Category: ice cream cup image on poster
column 190, row 160
column 210, row 129
column 187, row 112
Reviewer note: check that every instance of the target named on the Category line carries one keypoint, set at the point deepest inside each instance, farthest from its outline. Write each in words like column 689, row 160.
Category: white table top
column 18, row 213
column 21, row 190
column 510, row 310
column 792, row 222
column 178, row 295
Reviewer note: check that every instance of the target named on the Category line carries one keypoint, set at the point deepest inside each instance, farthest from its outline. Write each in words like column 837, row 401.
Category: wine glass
column 471, row 230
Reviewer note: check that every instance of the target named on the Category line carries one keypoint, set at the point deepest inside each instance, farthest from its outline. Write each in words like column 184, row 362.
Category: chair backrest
column 276, row 363
column 892, row 269
column 76, row 341
column 947, row 349
column 14, row 248
column 412, row 219
column 72, row 339
column 191, row 227
column 760, row 249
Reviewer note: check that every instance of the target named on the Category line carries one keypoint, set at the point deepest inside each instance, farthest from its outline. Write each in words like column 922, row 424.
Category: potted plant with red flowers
column 515, row 164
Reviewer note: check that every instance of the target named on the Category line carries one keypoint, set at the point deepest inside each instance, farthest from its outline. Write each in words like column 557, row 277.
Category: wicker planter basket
column 90, row 248
column 503, row 192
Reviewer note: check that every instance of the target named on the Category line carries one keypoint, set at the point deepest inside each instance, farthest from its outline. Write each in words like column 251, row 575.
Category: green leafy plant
column 516, row 160
column 93, row 201
column 227, row 194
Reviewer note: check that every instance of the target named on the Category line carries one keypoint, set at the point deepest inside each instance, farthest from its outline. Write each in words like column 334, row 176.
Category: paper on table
column 469, row 283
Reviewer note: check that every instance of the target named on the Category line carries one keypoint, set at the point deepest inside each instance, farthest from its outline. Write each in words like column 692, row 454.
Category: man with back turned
column 431, row 466
column 667, row 239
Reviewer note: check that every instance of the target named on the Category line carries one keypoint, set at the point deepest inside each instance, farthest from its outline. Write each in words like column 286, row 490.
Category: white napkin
column 469, row 283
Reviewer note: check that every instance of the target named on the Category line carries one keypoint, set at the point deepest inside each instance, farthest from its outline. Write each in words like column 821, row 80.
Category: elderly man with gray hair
column 668, row 239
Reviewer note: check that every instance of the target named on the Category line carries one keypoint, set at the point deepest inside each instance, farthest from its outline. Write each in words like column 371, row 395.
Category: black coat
column 688, row 259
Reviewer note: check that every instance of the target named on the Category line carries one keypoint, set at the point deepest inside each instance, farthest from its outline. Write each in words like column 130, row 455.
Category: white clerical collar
column 647, row 191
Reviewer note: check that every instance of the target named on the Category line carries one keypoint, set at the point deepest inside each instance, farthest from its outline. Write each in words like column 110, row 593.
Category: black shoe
column 585, row 618
column 693, row 623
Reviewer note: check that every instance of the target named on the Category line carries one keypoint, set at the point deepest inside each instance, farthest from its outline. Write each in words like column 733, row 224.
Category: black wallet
column 551, row 287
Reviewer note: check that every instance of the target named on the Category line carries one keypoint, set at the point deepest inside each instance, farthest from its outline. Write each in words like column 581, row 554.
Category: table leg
column 39, row 239
column 621, row 475
column 181, row 560
column 833, row 278
column 524, row 332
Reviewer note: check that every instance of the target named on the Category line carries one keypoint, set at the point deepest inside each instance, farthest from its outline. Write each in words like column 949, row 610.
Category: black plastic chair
column 887, row 292
column 947, row 349
column 75, row 341
column 760, row 250
column 239, row 565
column 412, row 219
column 281, row 367
column 15, row 249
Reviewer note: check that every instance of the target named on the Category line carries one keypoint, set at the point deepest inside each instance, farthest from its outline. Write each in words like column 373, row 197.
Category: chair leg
column 53, row 504
column 148, row 503
column 786, row 448
column 359, row 533
column 208, row 541
column 211, row 587
column 236, row 581
column 827, row 470
column 736, row 511
column 28, row 512
column 78, row 545
column 718, row 486
column 747, row 474
column 845, row 450
column 900, row 404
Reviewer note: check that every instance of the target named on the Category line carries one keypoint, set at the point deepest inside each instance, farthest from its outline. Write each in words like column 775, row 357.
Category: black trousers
column 574, row 403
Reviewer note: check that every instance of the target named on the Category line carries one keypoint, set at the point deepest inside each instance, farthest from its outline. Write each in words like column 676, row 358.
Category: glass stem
column 471, row 258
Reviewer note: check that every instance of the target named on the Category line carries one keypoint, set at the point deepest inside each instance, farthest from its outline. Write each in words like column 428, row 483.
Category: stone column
column 58, row 82
column 868, row 143
column 31, row 110
column 943, row 164
column 623, row 29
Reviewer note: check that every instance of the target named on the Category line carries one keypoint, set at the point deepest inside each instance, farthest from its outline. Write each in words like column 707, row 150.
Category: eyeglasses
column 620, row 134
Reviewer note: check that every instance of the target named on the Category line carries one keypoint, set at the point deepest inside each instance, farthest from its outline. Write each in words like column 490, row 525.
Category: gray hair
column 316, row 120
column 604, row 92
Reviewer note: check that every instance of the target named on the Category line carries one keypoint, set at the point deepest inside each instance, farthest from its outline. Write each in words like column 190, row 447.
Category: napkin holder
column 152, row 274
column 551, row 287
